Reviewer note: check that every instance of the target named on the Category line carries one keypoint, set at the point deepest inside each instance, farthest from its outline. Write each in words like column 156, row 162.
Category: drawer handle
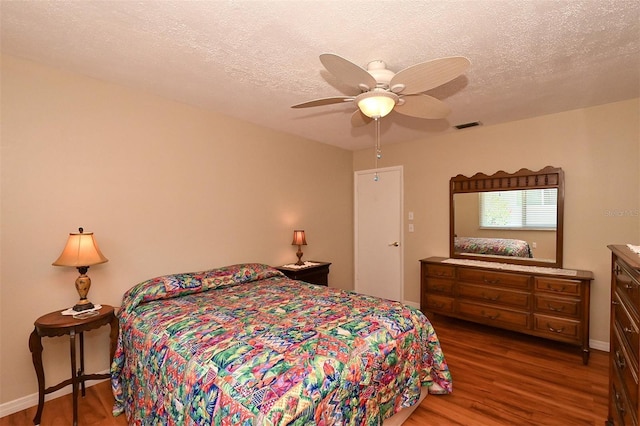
column 438, row 288
column 491, row 317
column 555, row 330
column 614, row 303
column 496, row 281
column 629, row 330
column 436, row 305
column 551, row 308
column 484, row 296
column 619, row 406
column 441, row 274
column 552, row 288
column 620, row 362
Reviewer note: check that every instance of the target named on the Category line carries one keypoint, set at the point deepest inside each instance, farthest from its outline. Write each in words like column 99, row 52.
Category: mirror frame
column 548, row 177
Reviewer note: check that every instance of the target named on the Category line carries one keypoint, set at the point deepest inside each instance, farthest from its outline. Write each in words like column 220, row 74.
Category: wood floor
column 504, row 378
column 500, row 378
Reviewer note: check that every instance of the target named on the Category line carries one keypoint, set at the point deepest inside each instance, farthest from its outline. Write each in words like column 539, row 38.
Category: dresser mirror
column 508, row 217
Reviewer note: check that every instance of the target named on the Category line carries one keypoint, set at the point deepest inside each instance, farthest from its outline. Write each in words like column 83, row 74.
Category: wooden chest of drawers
column 549, row 305
column 624, row 354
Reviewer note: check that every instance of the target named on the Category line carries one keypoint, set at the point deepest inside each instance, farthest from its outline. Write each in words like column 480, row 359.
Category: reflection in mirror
column 510, row 218
column 493, row 226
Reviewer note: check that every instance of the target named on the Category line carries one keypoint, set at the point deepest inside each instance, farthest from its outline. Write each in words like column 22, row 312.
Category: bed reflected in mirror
column 503, row 223
column 509, row 218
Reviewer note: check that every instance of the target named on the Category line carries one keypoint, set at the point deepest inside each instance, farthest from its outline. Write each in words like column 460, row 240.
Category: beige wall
column 598, row 148
column 165, row 188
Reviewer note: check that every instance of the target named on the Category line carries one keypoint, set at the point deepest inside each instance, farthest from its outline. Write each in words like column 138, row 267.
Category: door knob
column 394, row 244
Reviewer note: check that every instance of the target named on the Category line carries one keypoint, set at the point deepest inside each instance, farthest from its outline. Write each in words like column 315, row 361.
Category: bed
column 493, row 246
column 244, row 344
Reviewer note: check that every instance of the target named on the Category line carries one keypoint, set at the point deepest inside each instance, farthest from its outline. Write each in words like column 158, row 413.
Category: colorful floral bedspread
column 493, row 246
column 245, row 345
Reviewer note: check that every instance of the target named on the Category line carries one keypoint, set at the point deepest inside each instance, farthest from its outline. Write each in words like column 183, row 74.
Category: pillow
column 211, row 283
column 168, row 286
column 178, row 282
column 238, row 274
column 164, row 287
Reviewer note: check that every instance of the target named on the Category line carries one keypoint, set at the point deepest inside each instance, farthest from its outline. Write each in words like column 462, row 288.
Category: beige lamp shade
column 81, row 250
column 299, row 239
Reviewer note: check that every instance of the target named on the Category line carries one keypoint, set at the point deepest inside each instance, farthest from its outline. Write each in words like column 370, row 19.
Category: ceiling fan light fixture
column 381, row 90
column 376, row 104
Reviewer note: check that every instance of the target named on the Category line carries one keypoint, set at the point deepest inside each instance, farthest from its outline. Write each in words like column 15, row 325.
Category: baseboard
column 599, row 345
column 412, row 304
column 29, row 401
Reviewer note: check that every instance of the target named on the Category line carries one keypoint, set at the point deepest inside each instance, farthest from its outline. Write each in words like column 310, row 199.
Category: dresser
column 545, row 302
column 625, row 327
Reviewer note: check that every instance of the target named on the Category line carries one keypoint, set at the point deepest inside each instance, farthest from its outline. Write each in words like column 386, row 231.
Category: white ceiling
column 254, row 59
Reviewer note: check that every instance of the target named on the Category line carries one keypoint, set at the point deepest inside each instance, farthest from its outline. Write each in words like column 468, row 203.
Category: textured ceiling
column 254, row 59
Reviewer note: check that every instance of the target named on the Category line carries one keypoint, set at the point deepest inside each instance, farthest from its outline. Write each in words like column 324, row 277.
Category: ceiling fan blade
column 348, row 72
column 423, row 106
column 324, row 101
column 427, row 75
column 358, row 119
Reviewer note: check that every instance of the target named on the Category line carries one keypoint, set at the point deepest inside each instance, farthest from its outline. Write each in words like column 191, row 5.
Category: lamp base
column 83, row 305
column 299, row 254
column 83, row 284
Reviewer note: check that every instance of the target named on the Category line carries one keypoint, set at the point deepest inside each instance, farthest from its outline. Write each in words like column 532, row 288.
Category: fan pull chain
column 378, row 150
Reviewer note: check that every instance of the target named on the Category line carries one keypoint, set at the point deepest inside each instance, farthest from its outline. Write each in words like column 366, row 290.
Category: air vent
column 467, row 125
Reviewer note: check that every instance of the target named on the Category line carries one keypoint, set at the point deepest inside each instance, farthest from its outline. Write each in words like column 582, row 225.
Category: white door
column 378, row 233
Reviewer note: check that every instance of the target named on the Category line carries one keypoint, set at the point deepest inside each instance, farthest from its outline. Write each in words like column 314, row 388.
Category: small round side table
column 55, row 324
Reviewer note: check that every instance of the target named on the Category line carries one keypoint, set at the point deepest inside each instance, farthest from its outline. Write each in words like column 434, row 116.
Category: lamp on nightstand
column 81, row 252
column 299, row 240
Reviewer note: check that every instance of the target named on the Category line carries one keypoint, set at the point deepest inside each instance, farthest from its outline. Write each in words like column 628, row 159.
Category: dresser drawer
column 492, row 294
column 491, row 315
column 627, row 328
column 437, row 303
column 558, row 328
column 558, row 286
column 495, row 278
column 626, row 368
column 443, row 271
column 562, row 306
column 628, row 287
column 439, row 285
column 624, row 413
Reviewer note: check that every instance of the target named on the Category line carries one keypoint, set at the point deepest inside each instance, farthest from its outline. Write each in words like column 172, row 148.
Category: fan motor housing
column 379, row 71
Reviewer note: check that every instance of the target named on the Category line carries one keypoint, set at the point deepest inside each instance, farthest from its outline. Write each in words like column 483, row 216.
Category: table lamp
column 81, row 252
column 299, row 240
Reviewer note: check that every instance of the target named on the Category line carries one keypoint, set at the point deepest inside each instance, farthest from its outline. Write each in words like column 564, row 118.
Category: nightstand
column 315, row 274
column 55, row 324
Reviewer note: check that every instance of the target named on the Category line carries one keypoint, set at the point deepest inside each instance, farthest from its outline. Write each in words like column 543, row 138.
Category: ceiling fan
column 383, row 91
